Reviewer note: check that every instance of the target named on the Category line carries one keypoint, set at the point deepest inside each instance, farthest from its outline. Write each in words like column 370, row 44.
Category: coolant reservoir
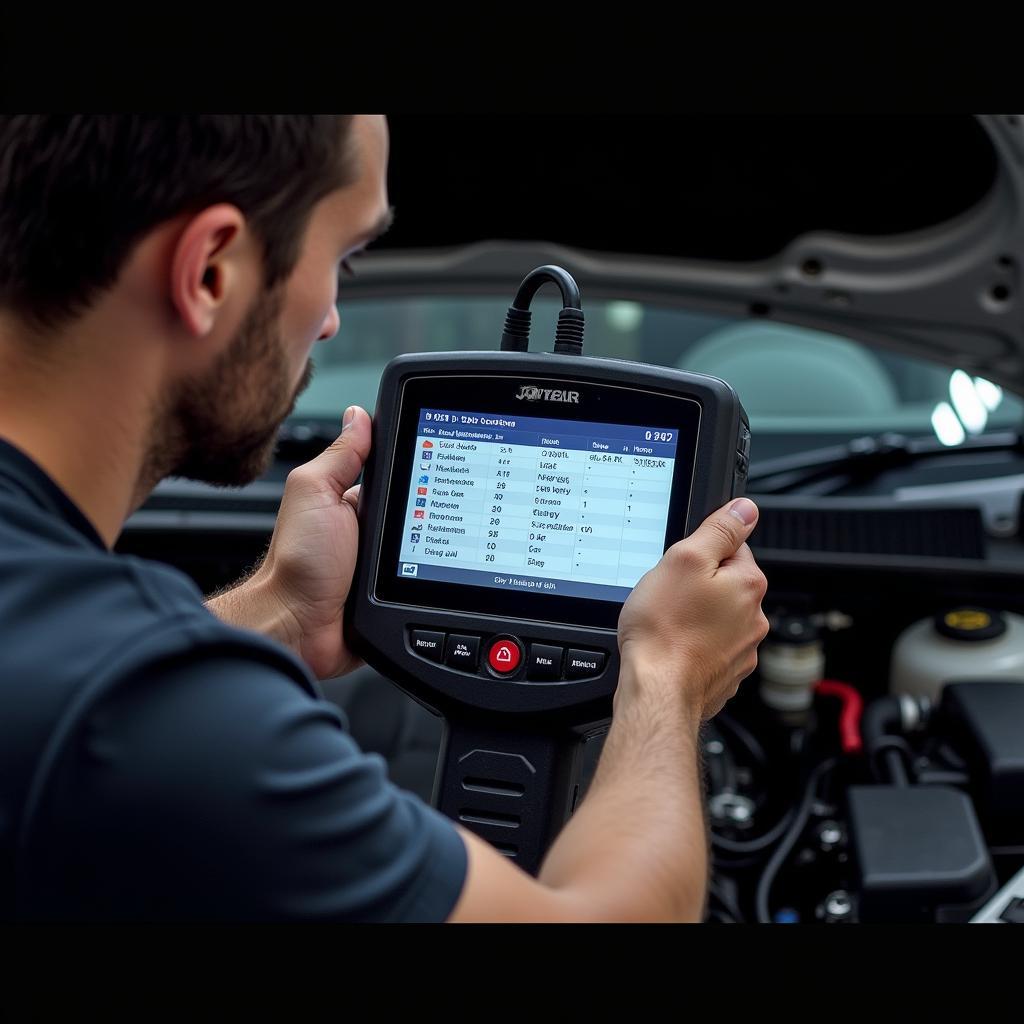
column 962, row 644
column 790, row 661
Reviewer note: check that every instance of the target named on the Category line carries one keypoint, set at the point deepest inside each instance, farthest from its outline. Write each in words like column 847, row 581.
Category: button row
column 544, row 662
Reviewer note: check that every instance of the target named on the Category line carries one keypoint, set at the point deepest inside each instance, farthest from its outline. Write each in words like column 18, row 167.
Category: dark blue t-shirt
column 157, row 764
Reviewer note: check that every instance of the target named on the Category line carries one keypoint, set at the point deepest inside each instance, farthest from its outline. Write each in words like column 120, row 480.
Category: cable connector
column 516, row 336
column 569, row 332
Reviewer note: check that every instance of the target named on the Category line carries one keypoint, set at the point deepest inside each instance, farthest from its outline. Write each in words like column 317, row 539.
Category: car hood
column 949, row 292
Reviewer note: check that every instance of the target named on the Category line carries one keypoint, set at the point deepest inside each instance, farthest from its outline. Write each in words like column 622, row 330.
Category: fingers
column 723, row 533
column 352, row 496
column 342, row 461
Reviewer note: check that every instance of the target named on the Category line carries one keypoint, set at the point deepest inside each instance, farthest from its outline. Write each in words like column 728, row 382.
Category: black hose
column 744, row 735
column 880, row 717
column 747, row 846
column 720, row 764
column 796, row 828
column 894, row 766
column 728, row 904
column 880, row 726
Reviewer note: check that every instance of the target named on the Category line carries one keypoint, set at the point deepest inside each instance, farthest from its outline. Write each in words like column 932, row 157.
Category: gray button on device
column 579, row 664
column 428, row 644
column 462, row 652
column 544, row 662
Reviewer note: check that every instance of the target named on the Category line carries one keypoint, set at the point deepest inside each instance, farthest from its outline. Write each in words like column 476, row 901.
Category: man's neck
column 85, row 422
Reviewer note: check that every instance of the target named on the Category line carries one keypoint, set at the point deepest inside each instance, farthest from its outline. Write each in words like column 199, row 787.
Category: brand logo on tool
column 529, row 393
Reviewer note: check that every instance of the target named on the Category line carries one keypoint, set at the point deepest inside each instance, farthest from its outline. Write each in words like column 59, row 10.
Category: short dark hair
column 78, row 192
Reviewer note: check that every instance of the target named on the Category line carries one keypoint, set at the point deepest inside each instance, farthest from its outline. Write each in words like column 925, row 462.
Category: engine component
column 985, row 720
column 1007, row 906
column 837, row 909
column 918, row 854
column 849, row 718
column 791, row 660
column 882, row 725
column 960, row 643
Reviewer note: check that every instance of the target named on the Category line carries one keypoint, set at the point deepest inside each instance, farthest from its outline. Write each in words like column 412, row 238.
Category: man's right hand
column 695, row 619
column 636, row 848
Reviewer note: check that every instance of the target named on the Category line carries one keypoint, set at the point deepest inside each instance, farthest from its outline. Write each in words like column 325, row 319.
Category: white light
column 969, row 407
column 991, row 394
column 947, row 427
column 624, row 316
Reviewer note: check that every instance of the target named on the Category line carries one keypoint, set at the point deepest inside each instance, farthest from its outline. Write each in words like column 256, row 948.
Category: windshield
column 801, row 388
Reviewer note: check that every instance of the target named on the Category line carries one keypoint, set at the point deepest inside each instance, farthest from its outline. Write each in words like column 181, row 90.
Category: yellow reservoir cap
column 967, row 618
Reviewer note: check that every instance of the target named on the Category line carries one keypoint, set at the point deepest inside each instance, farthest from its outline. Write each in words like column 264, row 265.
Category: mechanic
column 162, row 282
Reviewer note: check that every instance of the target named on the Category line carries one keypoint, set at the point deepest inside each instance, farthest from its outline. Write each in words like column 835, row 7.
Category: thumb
column 722, row 534
column 342, row 460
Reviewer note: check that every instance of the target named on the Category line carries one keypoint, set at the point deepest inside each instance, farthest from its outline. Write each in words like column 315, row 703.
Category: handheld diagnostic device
column 510, row 503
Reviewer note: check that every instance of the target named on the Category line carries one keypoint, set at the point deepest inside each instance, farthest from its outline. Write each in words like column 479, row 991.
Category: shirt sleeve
column 219, row 790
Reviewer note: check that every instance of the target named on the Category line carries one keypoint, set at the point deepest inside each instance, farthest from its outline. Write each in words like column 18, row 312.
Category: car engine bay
column 872, row 768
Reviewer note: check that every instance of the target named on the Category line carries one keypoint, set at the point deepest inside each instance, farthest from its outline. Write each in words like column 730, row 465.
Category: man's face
column 228, row 420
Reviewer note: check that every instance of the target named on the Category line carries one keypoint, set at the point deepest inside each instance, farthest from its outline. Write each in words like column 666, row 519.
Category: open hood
column 948, row 292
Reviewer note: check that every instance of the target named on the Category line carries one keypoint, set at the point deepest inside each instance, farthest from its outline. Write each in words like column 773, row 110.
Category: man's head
column 218, row 237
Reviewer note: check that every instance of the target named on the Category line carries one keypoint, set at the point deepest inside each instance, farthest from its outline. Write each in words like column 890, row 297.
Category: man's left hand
column 297, row 595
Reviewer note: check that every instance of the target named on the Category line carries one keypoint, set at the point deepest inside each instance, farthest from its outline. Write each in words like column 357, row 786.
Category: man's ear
column 205, row 266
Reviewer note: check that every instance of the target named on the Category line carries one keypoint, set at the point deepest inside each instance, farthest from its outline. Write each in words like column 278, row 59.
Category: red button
column 504, row 656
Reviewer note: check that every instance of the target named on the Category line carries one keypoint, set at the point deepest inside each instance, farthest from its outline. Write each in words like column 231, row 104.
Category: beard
column 222, row 428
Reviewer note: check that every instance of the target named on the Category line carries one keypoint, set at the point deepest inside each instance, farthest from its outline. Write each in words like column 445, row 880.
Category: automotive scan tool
column 510, row 503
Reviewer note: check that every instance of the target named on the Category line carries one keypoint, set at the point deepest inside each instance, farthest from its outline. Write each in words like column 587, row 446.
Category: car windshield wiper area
column 828, row 470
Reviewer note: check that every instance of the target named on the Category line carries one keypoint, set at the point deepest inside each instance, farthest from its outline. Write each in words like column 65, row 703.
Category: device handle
column 515, row 789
